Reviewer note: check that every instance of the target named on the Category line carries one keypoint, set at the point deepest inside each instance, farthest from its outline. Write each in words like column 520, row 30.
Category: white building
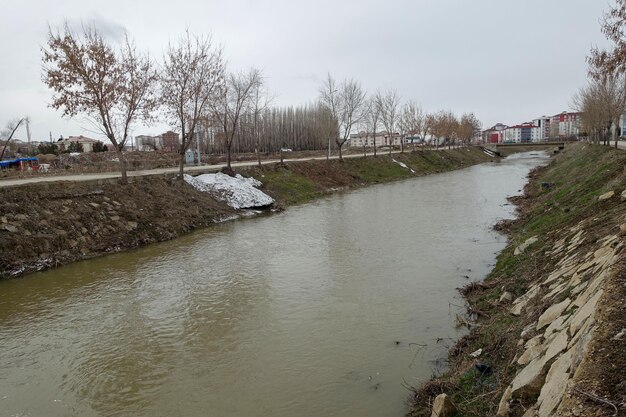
column 367, row 139
column 86, row 142
column 543, row 129
column 565, row 125
column 526, row 132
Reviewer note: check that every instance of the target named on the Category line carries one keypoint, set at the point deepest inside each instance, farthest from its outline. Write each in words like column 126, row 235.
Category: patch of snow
column 403, row 165
column 250, row 213
column 238, row 192
column 225, row 219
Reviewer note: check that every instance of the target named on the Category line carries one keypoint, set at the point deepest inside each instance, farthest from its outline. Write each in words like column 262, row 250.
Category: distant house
column 495, row 134
column 64, row 143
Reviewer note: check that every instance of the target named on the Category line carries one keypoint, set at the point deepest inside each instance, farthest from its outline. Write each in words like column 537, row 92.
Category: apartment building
column 525, row 132
column 544, row 128
column 168, row 141
column 565, row 125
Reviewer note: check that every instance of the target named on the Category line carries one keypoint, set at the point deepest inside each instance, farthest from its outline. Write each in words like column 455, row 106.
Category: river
column 326, row 309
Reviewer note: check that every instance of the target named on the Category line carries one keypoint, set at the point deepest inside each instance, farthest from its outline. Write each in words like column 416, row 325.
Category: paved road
column 621, row 144
column 159, row 171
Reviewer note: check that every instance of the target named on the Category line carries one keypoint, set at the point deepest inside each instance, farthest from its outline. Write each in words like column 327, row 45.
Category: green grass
column 376, row 170
column 293, row 189
column 297, row 183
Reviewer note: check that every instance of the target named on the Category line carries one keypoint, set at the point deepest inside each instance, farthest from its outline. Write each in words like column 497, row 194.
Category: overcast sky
column 507, row 61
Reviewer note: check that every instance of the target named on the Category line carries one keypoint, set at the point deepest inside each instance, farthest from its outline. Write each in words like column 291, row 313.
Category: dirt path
column 164, row 171
column 160, row 171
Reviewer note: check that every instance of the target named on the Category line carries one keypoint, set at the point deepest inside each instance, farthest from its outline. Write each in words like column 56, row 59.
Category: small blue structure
column 21, row 164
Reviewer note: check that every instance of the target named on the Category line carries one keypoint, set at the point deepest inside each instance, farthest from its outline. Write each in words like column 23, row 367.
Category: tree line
column 115, row 86
column 603, row 100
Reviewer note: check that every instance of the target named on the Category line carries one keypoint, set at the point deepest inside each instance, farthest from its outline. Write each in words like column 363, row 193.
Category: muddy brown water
column 295, row 314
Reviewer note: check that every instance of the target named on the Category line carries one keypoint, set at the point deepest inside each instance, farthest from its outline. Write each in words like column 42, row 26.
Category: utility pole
column 28, row 130
column 198, row 150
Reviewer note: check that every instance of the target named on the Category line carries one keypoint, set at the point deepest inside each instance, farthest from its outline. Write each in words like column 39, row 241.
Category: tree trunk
column 120, row 156
column 364, row 152
column 281, row 155
column 340, row 155
column 328, row 154
column 258, row 155
column 374, row 143
column 181, row 165
column 228, row 154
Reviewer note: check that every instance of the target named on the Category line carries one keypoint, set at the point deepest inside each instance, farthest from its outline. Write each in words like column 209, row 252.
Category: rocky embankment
column 549, row 334
column 47, row 225
column 551, row 349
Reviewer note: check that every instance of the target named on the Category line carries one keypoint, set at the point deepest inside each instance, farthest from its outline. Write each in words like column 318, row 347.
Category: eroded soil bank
column 548, row 325
column 47, row 225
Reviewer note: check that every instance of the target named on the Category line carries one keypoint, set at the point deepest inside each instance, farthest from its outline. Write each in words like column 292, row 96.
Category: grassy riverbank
column 304, row 181
column 577, row 234
column 47, row 225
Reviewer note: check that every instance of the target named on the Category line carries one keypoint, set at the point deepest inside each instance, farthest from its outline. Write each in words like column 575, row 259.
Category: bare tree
column 347, row 102
column 389, row 107
column 602, row 102
column 613, row 61
column 438, row 128
column 412, row 119
column 354, row 108
column 445, row 126
column 427, row 126
column 192, row 80
column 372, row 120
column 260, row 103
column 10, row 130
column 589, row 103
column 468, row 128
column 238, row 94
column 112, row 87
column 330, row 100
column 612, row 95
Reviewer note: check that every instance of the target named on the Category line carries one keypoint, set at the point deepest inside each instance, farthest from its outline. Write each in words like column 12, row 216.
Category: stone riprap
column 554, row 347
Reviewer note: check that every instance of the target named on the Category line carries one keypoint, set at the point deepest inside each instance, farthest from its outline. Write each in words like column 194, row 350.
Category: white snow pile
column 238, row 192
column 403, row 165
